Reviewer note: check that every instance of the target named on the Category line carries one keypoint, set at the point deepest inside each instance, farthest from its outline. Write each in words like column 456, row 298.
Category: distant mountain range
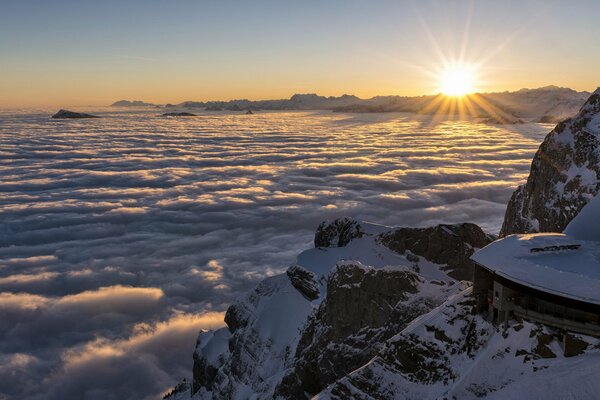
column 548, row 104
column 134, row 103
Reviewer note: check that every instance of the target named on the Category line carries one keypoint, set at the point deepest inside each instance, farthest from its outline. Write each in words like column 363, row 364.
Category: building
column 552, row 278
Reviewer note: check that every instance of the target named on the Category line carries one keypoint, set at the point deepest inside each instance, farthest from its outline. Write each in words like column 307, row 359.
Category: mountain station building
column 552, row 278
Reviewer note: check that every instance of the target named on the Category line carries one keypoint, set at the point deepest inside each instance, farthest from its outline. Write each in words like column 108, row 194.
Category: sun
column 457, row 80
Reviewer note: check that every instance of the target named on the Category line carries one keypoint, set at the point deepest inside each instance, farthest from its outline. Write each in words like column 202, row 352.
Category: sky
column 69, row 52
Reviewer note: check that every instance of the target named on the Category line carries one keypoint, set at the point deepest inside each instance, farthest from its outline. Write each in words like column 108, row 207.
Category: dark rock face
column 360, row 310
column 204, row 374
column 409, row 358
column 305, row 281
column 66, row 114
column 178, row 114
column 452, row 245
column 563, row 178
column 363, row 308
column 574, row 346
column 337, row 233
column 238, row 314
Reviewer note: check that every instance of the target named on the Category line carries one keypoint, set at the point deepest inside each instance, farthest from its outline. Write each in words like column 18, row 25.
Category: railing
column 564, row 323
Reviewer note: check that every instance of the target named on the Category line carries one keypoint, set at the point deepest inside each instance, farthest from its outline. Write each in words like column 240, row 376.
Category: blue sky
column 92, row 52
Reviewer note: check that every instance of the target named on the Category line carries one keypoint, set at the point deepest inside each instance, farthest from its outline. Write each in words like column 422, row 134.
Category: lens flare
column 457, row 80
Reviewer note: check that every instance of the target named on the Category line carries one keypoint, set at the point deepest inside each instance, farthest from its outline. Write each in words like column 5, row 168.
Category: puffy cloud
column 114, row 234
column 215, row 272
column 139, row 366
column 114, row 299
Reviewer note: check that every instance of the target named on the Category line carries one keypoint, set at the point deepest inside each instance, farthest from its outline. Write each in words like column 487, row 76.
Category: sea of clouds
column 121, row 237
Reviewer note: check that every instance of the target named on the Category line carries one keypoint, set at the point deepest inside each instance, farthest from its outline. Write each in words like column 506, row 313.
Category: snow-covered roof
column 552, row 262
column 586, row 225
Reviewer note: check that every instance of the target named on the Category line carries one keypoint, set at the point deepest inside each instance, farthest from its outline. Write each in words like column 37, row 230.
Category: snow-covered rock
column 389, row 322
column 264, row 329
column 364, row 307
column 451, row 353
column 338, row 233
column 304, row 281
column 563, row 178
column 322, row 311
column 451, row 245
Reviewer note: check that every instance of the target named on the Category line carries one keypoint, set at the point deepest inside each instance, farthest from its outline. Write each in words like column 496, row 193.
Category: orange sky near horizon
column 68, row 54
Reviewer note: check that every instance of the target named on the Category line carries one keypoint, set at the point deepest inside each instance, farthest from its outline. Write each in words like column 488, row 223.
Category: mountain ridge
column 563, row 177
column 545, row 104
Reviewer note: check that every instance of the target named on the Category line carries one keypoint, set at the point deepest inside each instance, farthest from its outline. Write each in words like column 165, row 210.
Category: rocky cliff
column 329, row 314
column 405, row 352
column 563, row 178
column 451, row 353
column 363, row 308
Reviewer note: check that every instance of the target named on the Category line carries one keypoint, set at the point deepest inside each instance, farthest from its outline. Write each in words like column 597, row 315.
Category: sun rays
column 458, row 80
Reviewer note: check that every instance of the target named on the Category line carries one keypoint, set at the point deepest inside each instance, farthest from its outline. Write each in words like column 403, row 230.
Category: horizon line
column 352, row 95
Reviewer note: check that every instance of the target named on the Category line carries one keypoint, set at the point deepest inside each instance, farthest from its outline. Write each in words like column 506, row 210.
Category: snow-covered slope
column 375, row 314
column 563, row 178
column 450, row 353
column 304, row 322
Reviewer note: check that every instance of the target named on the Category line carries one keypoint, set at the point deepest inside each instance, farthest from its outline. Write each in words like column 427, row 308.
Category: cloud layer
column 121, row 237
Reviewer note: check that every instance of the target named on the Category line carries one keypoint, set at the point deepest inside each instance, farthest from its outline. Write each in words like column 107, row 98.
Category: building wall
column 502, row 298
column 483, row 282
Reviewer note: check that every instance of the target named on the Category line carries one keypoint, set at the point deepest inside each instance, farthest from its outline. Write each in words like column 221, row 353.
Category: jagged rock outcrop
column 304, row 280
column 66, row 114
column 450, row 245
column 364, row 307
column 207, row 359
column 337, row 233
column 452, row 353
column 563, row 178
column 252, row 352
column 330, row 313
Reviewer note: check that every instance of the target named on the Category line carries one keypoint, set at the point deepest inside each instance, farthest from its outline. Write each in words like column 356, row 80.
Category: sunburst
column 458, row 79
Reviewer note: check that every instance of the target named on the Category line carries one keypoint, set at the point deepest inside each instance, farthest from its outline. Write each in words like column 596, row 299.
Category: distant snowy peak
column 134, row 103
column 548, row 104
column 563, row 178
